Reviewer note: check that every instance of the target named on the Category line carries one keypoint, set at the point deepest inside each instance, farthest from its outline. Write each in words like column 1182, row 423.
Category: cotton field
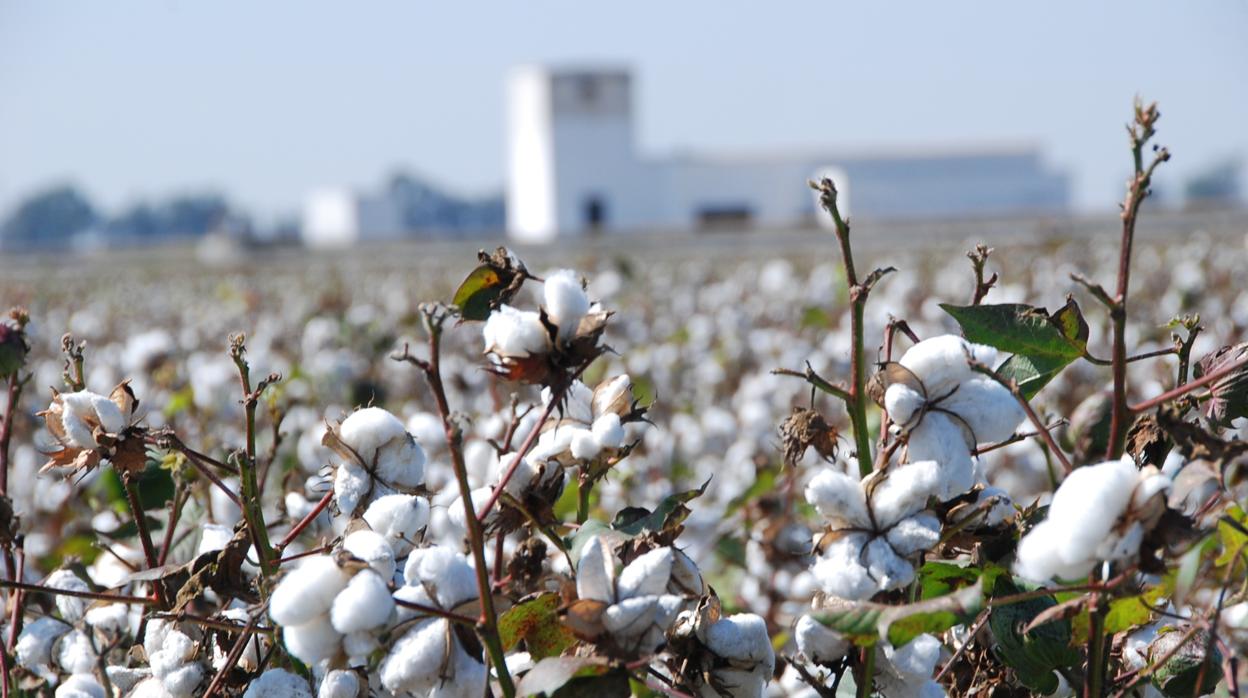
column 628, row 469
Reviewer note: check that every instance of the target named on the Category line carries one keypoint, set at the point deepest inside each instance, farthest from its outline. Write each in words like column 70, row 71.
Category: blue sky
column 266, row 100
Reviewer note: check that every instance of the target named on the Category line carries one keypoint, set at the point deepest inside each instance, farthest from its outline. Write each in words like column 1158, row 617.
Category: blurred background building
column 574, row 169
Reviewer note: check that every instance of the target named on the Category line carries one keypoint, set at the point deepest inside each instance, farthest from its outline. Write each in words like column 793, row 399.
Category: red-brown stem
column 6, row 430
column 306, row 553
column 235, row 653
column 228, row 626
column 201, row 464
column 175, row 513
column 1189, row 386
column 41, row 589
column 435, row 611
column 19, row 597
column 304, row 522
column 524, row 449
column 145, row 536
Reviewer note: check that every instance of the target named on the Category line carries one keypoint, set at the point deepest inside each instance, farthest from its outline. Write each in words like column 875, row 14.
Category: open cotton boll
column 352, row 484
column 918, row 532
column 685, row 579
column 609, row 431
column 631, row 617
column 444, row 570
column 400, row 518
column 509, row 332
column 905, row 491
column 613, row 396
column 578, row 402
column 278, row 683
column 837, row 497
column 80, row 685
column 75, row 654
column 183, row 682
column 646, row 575
column 374, row 549
column 126, row 678
column 340, row 684
column 915, row 658
column 565, row 301
column 34, row 644
column 742, row 638
column 937, row 438
column 595, row 573
column 819, row 643
column 401, row 462
column 991, row 410
column 840, row 572
column 307, row 592
column 313, row 641
column 585, row 445
column 416, row 658
column 902, row 403
column 886, row 566
column 368, row 430
column 71, row 608
column 365, row 603
column 942, row 362
column 148, row 688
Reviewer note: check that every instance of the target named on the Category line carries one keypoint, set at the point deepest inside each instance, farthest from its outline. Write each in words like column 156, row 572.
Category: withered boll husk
column 804, row 429
column 1147, row 442
column 525, row 566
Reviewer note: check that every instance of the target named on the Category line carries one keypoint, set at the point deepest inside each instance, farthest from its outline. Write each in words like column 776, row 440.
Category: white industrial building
column 573, row 169
column 340, row 217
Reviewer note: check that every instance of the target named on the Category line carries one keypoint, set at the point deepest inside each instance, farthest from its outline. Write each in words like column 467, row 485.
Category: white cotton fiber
column 80, row 685
column 837, row 497
column 840, row 572
column 365, row 603
column 565, row 301
column 887, row 567
column 584, row 445
column 373, row 548
column 34, row 644
column 631, row 617
column 74, row 653
column 515, row 333
column 183, row 682
column 818, row 642
column 340, row 683
column 648, row 574
column 941, row 362
column 400, row 518
column 213, row 537
column 71, row 608
column 609, row 431
column 595, row 573
column 278, row 683
column 937, row 438
column 313, row 641
column 444, row 570
column 918, row 532
column 613, row 396
column 351, row 485
column 686, row 579
column 991, row 411
column 905, row 491
column 416, row 658
column 741, row 638
column 916, row 658
column 369, row 429
column 401, row 463
column 307, row 592
column 902, row 403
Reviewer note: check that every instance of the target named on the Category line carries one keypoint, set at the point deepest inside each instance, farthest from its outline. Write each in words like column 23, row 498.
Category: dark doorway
column 595, row 213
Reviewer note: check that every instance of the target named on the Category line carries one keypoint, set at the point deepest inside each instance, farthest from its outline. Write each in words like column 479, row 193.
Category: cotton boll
column 840, row 572
column 278, row 683
column 183, row 681
column 646, row 575
column 584, row 445
column 941, row 362
column 148, row 688
column 368, row 430
column 685, row 579
column 578, row 402
column 595, row 573
column 213, row 537
column 307, row 592
column 373, row 548
column 991, row 410
column 889, row 569
column 71, row 608
column 112, row 618
column 819, row 643
column 515, row 333
column 916, row 658
column 741, row 638
column 444, row 570
column 359, row 645
column 1043, row 555
column 340, row 684
column 400, row 518
column 365, row 603
column 401, row 463
column 80, row 685
column 613, row 396
column 416, row 658
column 631, row 617
column 565, row 301
column 837, row 497
column 608, row 430
column 74, row 653
column 902, row 403
column 905, row 491
column 919, row 532
column 937, row 438
column 34, row 644
column 313, row 641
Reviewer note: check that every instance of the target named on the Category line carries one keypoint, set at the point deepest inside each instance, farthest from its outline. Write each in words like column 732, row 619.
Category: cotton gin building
column 573, row 169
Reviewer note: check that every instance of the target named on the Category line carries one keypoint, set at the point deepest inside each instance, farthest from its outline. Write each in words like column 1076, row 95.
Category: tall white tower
column 571, row 165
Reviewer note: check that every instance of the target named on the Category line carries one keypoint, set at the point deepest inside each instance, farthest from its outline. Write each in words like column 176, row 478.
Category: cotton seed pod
column 613, row 396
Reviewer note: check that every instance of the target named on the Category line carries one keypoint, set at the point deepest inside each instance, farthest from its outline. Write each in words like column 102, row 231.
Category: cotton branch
column 979, row 257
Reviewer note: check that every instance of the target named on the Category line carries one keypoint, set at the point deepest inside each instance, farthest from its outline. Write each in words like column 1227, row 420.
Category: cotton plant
column 378, row 459
column 629, row 612
column 1099, row 514
column 942, row 408
column 874, row 527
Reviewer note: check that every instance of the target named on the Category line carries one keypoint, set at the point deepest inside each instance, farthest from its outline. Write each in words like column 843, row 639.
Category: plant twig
column 979, row 257
column 253, row 512
column 236, row 652
column 817, row 381
column 304, row 522
column 95, row 595
column 1188, row 387
column 487, row 625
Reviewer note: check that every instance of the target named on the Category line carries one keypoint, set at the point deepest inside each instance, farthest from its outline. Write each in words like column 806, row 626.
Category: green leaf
column 1041, row 344
column 477, row 292
column 1231, row 536
column 1036, row 654
column 633, row 521
column 536, row 622
column 938, row 579
column 1024, row 329
column 1130, row 612
column 865, row 621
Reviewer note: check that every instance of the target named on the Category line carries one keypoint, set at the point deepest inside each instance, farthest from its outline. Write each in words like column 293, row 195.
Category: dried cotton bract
column 1100, row 513
column 943, row 408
